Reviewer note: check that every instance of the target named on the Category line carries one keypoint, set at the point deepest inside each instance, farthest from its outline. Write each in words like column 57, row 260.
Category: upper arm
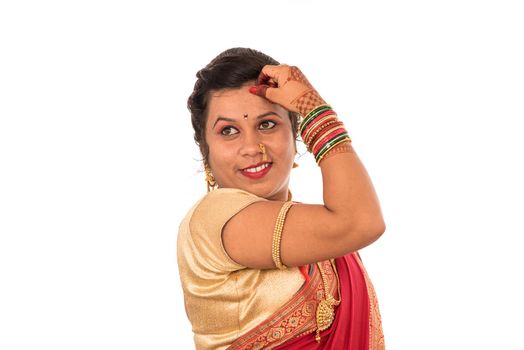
column 310, row 233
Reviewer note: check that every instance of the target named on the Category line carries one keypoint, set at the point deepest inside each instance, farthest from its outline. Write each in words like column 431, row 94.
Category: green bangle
column 330, row 144
column 317, row 108
column 341, row 141
column 312, row 115
column 333, row 148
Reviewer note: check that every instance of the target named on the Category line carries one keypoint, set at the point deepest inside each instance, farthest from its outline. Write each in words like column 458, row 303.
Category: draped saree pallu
column 357, row 324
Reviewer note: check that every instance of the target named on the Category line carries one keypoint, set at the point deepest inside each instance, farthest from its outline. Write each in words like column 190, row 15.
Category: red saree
column 357, row 323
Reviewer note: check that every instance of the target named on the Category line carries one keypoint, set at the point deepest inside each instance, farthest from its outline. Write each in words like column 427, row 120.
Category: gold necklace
column 325, row 309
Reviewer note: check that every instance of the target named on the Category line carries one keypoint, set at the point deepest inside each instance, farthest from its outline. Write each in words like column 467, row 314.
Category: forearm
column 349, row 193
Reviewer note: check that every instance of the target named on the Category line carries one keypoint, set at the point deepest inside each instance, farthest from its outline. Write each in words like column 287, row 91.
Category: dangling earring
column 289, row 195
column 210, row 179
column 295, row 165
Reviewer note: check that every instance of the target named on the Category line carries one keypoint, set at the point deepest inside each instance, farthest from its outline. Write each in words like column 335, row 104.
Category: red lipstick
column 258, row 174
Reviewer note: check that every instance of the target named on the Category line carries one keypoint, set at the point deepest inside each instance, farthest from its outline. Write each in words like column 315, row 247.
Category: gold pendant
column 325, row 310
column 325, row 315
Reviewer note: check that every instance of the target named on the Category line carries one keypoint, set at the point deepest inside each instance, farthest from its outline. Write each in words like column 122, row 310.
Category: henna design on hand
column 297, row 75
column 294, row 85
column 308, row 101
column 310, row 98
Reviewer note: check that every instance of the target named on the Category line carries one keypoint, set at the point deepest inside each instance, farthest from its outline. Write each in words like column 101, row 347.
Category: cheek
column 213, row 143
column 287, row 148
column 221, row 156
column 212, row 151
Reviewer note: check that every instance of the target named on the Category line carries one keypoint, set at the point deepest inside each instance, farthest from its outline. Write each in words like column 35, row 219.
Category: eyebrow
column 234, row 120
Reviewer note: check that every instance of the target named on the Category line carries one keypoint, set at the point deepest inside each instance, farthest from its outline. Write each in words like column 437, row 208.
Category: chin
column 257, row 190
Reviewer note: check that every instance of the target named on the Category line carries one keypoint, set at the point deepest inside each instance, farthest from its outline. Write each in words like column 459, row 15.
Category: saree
column 357, row 324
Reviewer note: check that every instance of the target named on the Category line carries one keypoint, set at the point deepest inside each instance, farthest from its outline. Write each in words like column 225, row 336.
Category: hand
column 287, row 86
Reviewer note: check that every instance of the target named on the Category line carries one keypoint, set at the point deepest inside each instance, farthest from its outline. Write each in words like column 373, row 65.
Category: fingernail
column 253, row 89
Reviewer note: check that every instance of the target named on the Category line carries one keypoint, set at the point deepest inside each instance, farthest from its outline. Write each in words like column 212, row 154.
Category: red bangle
column 321, row 130
column 314, row 121
column 327, row 138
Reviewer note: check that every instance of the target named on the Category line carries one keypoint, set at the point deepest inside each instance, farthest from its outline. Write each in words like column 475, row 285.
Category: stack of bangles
column 321, row 131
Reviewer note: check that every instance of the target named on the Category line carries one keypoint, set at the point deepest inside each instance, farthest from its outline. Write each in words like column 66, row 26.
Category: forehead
column 235, row 98
column 234, row 103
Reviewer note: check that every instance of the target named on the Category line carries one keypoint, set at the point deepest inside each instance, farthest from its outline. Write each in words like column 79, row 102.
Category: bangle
column 313, row 136
column 277, row 235
column 330, row 145
column 312, row 115
column 327, row 135
column 310, row 124
column 311, row 131
column 343, row 146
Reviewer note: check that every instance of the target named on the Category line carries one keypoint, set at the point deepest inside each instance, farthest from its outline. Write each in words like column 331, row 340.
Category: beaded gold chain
column 325, row 309
column 277, row 235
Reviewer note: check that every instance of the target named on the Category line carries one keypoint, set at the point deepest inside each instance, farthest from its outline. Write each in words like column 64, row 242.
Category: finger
column 271, row 94
column 263, row 78
column 263, row 91
column 259, row 90
column 276, row 73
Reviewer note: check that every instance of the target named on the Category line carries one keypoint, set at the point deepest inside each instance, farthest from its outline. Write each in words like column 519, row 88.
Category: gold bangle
column 327, row 133
column 345, row 148
column 315, row 123
column 277, row 235
column 318, row 126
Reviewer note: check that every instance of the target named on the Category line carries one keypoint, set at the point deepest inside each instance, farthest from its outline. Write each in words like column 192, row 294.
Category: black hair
column 230, row 69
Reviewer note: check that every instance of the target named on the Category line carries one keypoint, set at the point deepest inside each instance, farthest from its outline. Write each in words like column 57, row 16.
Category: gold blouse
column 223, row 299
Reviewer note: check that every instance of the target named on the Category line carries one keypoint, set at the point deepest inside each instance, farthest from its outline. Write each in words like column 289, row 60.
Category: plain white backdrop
column 98, row 163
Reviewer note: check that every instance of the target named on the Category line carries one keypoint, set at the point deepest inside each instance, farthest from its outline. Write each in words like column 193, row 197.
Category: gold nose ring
column 263, row 149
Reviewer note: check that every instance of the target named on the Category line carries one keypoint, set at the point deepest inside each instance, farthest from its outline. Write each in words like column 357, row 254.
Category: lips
column 257, row 175
column 256, row 165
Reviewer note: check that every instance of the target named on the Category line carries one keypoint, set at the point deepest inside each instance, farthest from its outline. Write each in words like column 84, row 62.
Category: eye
column 268, row 121
column 228, row 133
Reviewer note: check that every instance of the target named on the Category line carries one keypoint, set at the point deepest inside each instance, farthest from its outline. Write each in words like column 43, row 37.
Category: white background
column 98, row 164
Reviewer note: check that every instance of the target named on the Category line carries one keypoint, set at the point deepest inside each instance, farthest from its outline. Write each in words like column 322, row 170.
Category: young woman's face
column 234, row 142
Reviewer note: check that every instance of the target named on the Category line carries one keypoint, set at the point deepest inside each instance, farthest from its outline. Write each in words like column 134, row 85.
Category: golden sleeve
column 207, row 222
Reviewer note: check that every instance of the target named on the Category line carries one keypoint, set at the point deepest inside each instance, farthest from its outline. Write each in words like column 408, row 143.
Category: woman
column 258, row 270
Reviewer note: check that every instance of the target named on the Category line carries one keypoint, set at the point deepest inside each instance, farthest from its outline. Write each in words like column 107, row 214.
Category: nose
column 251, row 146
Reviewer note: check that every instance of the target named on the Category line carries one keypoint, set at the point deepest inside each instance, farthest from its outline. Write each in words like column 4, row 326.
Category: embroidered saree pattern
column 237, row 308
column 296, row 318
column 357, row 324
column 376, row 335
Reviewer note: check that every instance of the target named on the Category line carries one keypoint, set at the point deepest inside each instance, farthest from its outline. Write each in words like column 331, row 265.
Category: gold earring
column 295, row 165
column 210, row 179
column 289, row 195
column 263, row 149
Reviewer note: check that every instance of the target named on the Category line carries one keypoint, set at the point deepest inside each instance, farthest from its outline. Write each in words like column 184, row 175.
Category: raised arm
column 350, row 217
